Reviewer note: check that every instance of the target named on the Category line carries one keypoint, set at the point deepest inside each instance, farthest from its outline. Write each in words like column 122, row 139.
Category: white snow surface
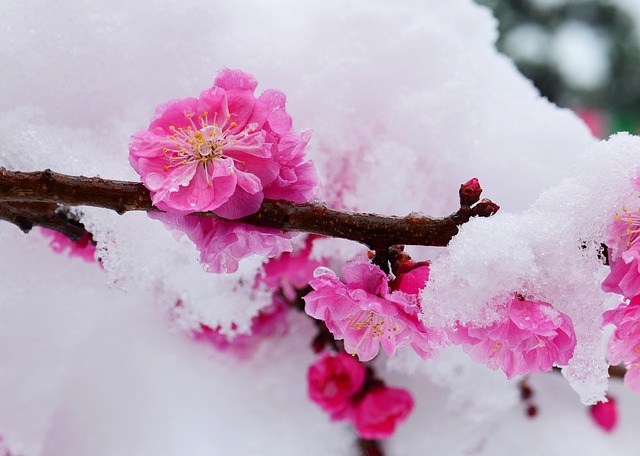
column 407, row 100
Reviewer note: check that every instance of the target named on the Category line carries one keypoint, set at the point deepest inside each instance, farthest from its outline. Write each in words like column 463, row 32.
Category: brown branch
column 374, row 230
column 47, row 215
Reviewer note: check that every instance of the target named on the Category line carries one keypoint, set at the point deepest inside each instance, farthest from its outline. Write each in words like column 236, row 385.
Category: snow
column 406, row 100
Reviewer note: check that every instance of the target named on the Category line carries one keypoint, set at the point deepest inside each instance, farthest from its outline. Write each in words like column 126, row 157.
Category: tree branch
column 374, row 230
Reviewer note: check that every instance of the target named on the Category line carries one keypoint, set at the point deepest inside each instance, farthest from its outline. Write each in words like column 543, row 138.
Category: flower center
column 632, row 219
column 202, row 142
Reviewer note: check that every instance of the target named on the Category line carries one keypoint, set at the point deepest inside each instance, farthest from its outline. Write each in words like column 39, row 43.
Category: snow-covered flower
column 529, row 336
column 291, row 271
column 82, row 248
column 333, row 381
column 271, row 321
column 380, row 411
column 624, row 251
column 366, row 313
column 219, row 152
column 624, row 344
column 223, row 244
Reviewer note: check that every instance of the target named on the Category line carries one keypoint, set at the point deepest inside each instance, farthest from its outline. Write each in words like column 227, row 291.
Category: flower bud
column 605, row 414
column 470, row 192
column 485, row 208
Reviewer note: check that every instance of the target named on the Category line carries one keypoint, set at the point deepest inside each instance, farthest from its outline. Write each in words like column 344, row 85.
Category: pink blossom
column 624, row 277
column 411, row 277
column 624, row 344
column 624, row 253
column 529, row 336
column 333, row 381
column 221, row 151
column 82, row 248
column 223, row 244
column 378, row 414
column 366, row 313
column 270, row 322
column 291, row 271
column 605, row 414
column 224, row 152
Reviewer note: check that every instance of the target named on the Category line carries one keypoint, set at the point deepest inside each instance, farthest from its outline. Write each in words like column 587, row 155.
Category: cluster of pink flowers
column 343, row 387
column 370, row 309
column 529, row 336
column 624, row 278
column 224, row 152
column 82, row 248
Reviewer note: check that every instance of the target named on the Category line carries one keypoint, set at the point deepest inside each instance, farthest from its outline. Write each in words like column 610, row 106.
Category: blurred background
column 580, row 54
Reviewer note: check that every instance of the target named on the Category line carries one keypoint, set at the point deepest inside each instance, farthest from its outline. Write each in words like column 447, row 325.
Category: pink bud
column 333, row 381
column 377, row 415
column 605, row 414
column 470, row 192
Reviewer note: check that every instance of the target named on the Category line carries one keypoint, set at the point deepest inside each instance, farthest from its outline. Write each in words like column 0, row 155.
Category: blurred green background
column 580, row 54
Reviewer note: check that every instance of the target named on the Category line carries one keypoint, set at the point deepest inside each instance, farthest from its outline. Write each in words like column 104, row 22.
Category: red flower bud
column 485, row 208
column 470, row 192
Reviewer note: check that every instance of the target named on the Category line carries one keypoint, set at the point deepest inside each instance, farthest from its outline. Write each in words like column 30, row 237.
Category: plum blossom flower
column 219, row 152
column 624, row 252
column 366, row 313
column 624, row 344
column 224, row 152
column 82, row 248
column 529, row 336
column 380, row 411
column 333, row 381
